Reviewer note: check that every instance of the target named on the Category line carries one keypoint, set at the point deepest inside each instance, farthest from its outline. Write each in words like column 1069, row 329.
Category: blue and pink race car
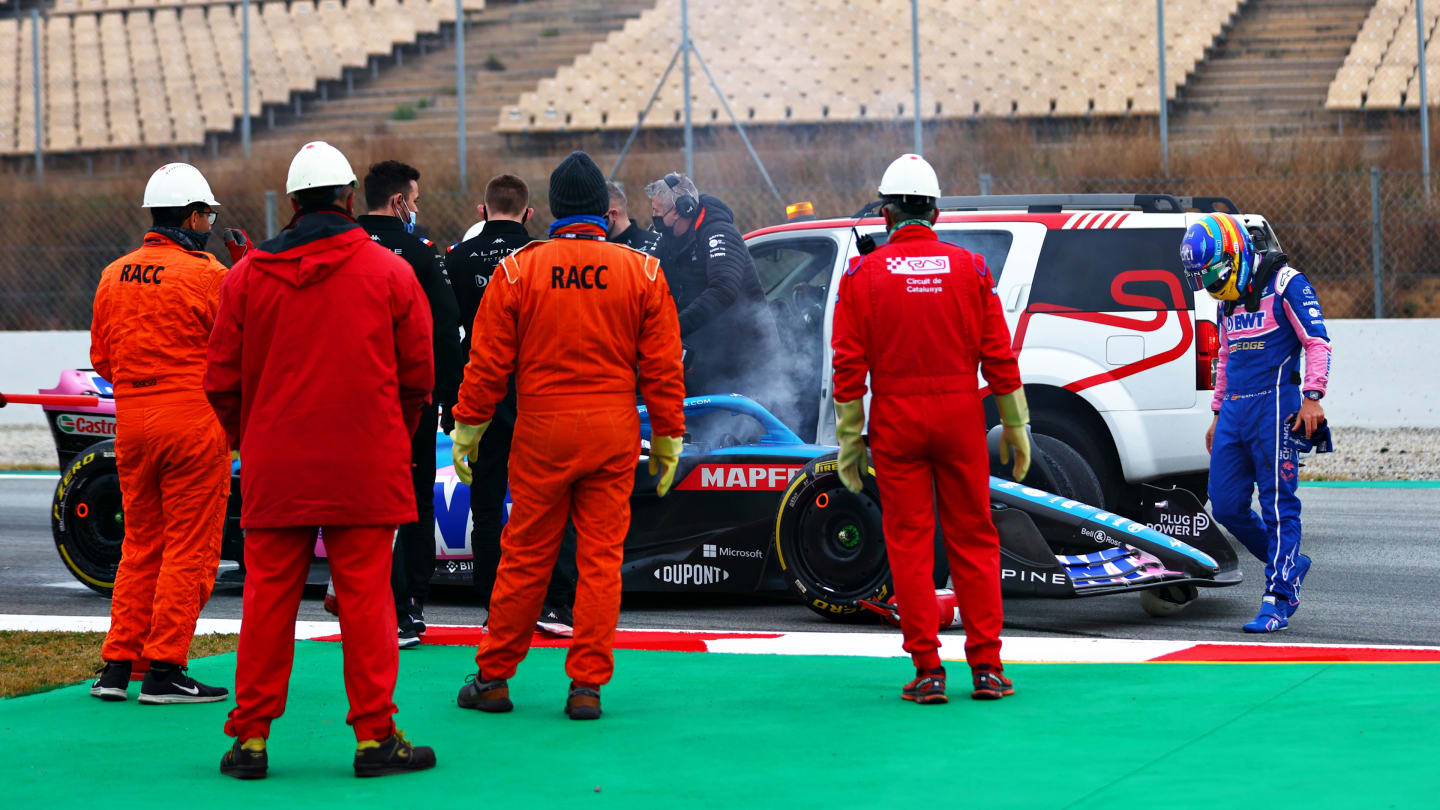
column 753, row 509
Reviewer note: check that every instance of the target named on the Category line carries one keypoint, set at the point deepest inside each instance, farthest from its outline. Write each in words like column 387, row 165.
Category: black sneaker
column 113, row 682
column 556, row 620
column 927, row 688
column 991, row 683
column 417, row 615
column 409, row 636
column 394, row 754
column 246, row 759
column 174, row 685
column 487, row 696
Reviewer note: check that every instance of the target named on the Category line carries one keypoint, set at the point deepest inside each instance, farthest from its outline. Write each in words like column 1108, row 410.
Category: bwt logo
column 1247, row 320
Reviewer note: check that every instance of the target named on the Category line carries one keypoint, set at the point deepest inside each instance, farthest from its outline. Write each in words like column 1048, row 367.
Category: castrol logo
column 82, row 425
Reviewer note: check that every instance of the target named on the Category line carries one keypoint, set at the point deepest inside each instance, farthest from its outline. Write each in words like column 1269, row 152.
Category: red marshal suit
column 920, row 317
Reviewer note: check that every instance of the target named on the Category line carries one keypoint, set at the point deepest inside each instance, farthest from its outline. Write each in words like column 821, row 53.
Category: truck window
column 1112, row 271
column 994, row 246
column 796, row 274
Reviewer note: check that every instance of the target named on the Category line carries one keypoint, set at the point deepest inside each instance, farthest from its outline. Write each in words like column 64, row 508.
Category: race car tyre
column 1059, row 469
column 830, row 543
column 87, row 519
column 1168, row 600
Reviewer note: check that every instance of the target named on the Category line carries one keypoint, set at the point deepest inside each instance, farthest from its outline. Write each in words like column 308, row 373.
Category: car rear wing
column 1055, row 203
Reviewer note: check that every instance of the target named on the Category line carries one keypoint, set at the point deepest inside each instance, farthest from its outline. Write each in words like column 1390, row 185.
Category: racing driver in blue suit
column 1264, row 411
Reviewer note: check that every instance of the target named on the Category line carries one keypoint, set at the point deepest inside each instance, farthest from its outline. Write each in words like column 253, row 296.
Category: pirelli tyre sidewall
column 86, row 517
column 830, row 544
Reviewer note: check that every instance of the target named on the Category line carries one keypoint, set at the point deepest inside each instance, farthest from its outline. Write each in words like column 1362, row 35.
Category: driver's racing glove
column 1015, row 433
column 664, row 458
column 464, row 443
column 849, row 422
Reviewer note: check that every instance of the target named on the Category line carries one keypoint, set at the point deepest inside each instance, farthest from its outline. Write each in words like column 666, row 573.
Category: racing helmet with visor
column 1219, row 257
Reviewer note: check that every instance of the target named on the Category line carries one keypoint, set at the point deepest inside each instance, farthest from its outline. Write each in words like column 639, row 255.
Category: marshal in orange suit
column 154, row 310
column 580, row 322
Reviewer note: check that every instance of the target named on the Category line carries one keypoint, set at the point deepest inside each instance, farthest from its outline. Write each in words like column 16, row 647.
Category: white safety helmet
column 176, row 185
column 317, row 165
column 910, row 176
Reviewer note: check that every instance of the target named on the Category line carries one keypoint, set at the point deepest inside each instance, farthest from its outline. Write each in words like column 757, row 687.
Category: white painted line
column 72, row 585
column 101, row 624
column 29, row 476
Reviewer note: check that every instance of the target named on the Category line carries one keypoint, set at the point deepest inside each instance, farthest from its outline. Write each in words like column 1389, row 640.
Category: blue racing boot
column 1302, row 567
column 1271, row 618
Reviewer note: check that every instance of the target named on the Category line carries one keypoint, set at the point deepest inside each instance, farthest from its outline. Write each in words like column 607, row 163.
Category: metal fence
column 1370, row 240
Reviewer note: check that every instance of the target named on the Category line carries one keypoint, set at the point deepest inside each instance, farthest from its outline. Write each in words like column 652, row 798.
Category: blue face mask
column 408, row 222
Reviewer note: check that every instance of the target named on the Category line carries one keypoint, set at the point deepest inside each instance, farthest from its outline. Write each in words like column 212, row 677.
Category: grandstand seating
column 1382, row 70
column 849, row 60
column 122, row 74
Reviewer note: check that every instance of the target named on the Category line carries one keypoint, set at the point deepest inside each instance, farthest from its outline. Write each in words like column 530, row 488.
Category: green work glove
column 849, row 421
column 1015, row 433
column 464, row 442
column 664, row 457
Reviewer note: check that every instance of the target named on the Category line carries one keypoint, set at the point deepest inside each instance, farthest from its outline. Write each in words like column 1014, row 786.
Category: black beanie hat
column 577, row 186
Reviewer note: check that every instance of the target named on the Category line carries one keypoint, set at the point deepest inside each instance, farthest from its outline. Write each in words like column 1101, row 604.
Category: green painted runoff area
column 747, row 731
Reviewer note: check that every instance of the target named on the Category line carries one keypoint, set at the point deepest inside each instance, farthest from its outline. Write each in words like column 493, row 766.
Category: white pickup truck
column 1116, row 352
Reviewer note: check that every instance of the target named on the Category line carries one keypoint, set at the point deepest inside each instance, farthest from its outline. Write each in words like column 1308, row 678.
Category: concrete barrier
column 1383, row 374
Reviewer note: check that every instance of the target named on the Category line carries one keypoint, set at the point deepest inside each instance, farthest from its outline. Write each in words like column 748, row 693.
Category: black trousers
column 491, row 469
column 414, row 563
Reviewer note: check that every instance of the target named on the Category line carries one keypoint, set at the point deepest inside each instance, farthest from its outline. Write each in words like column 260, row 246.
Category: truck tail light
column 1207, row 354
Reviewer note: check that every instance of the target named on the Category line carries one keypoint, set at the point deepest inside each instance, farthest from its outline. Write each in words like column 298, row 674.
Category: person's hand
column 664, row 458
column 1015, row 430
column 1016, row 438
column 1310, row 417
column 464, row 442
column 238, row 243
column 1210, row 434
column 849, row 422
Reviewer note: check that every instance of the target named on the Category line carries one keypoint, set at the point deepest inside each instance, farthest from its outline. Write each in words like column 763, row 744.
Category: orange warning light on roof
column 795, row 212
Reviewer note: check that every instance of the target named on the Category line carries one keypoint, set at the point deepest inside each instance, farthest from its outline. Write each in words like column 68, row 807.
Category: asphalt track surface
column 1377, row 565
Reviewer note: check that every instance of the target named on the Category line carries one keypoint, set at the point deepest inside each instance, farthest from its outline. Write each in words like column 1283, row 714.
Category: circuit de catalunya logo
column 82, row 425
column 752, row 477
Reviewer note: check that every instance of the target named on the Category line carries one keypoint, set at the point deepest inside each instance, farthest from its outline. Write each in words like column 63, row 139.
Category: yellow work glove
column 849, row 422
column 1015, row 430
column 664, row 457
column 464, row 441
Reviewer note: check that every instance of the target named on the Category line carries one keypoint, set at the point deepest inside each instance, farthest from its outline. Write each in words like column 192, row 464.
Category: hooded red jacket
column 319, row 365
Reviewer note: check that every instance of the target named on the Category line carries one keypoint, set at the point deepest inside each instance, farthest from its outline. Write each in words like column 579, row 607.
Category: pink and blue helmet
column 1219, row 256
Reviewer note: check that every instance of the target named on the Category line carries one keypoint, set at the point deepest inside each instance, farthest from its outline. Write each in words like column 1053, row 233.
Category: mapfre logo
column 754, row 477
column 82, row 425
column 918, row 265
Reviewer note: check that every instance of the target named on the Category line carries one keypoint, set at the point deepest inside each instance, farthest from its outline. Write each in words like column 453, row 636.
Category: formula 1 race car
column 753, row 509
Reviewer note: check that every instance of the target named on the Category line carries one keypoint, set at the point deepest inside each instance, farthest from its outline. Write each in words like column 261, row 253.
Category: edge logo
column 691, row 574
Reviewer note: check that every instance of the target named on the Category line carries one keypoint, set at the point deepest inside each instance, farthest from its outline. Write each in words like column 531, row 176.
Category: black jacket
column 473, row 262
column 429, row 267
column 725, row 322
column 634, row 237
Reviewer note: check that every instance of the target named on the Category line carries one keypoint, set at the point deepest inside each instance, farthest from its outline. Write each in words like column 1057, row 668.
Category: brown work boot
column 584, row 702
column 927, row 688
column 991, row 683
column 487, row 696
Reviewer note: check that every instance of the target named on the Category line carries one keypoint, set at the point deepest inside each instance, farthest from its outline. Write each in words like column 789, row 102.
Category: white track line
column 1017, row 649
